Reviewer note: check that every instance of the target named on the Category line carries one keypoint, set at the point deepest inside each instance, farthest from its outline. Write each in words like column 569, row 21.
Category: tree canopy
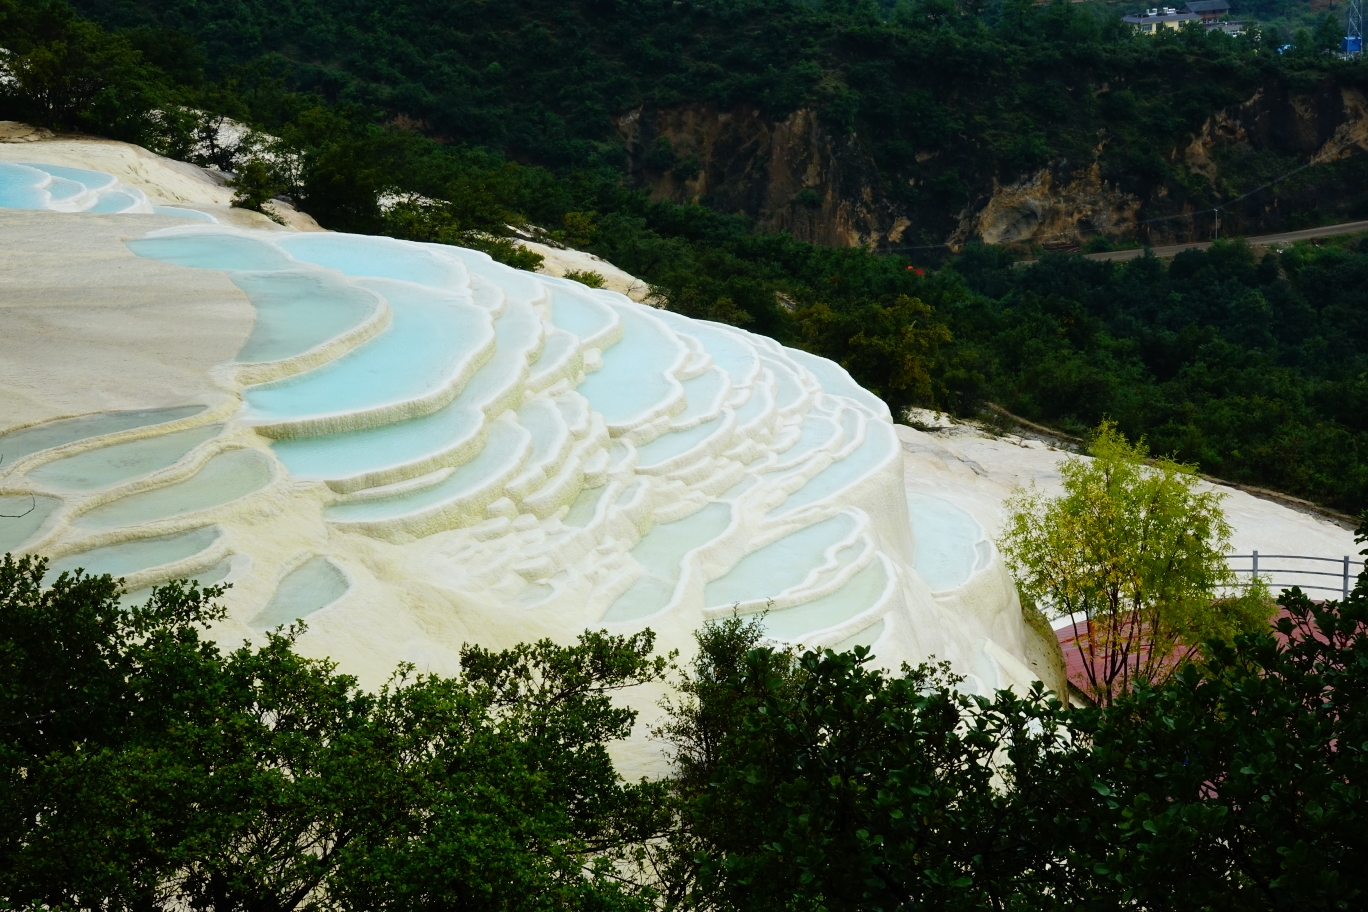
column 146, row 768
column 1134, row 557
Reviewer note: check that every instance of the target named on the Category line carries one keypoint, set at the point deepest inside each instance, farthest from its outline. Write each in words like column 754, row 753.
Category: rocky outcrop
column 797, row 175
column 792, row 175
column 1274, row 132
column 1350, row 136
column 1051, row 209
column 1292, row 131
column 11, row 131
column 1327, row 124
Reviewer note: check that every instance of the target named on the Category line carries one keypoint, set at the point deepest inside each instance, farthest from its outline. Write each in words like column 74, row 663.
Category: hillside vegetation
column 928, row 104
column 474, row 117
column 1255, row 369
column 147, row 768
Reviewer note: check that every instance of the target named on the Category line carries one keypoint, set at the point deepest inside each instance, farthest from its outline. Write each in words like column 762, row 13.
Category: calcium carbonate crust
column 484, row 455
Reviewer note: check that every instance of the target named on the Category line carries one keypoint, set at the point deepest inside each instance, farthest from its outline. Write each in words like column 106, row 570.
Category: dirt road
column 1286, row 237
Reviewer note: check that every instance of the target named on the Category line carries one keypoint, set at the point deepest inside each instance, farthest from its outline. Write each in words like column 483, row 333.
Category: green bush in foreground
column 144, row 768
column 814, row 781
column 1241, row 783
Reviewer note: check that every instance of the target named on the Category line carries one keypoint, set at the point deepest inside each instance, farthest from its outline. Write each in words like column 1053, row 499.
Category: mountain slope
column 839, row 124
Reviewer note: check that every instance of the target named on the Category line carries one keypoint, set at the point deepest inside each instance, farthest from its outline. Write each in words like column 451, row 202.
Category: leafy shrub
column 585, row 277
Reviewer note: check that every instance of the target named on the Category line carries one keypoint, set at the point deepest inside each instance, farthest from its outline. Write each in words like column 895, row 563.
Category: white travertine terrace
column 419, row 447
column 62, row 188
column 182, row 188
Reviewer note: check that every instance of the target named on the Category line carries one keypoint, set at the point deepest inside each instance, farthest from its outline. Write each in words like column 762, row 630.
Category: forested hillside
column 843, row 121
column 470, row 118
column 1256, row 369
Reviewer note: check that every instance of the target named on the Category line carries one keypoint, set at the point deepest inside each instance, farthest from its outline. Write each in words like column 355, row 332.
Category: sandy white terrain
column 980, row 470
column 413, row 447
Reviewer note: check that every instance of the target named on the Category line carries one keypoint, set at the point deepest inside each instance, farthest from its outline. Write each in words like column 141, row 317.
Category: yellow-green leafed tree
column 1133, row 553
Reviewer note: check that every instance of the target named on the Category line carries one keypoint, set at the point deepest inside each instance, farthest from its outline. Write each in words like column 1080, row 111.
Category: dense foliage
column 144, row 768
column 945, row 96
column 1243, row 783
column 59, row 70
column 1254, row 369
column 813, row 781
column 1131, row 555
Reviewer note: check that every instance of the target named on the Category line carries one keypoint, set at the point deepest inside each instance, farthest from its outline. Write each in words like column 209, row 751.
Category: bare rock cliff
column 1282, row 159
column 1325, row 125
column 792, row 175
column 797, row 175
column 1049, row 208
column 1238, row 149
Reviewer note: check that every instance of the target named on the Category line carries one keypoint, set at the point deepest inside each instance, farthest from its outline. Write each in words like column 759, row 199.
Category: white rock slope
column 416, row 447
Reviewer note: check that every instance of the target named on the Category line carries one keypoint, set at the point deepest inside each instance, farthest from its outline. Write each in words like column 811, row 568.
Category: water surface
column 311, row 587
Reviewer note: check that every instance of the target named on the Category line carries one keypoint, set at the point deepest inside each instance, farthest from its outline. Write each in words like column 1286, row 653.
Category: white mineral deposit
column 411, row 447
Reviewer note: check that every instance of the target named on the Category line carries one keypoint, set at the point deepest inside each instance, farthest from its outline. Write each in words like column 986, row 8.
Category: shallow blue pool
column 947, row 539
column 21, row 187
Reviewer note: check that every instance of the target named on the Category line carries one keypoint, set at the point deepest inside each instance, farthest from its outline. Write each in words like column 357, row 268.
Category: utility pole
column 1218, row 224
column 1353, row 42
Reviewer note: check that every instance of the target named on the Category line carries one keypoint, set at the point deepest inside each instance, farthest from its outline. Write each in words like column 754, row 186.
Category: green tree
column 1242, row 782
column 578, row 229
column 661, row 155
column 1329, row 31
column 94, row 800
column 254, row 185
column 1134, row 556
column 463, row 224
column 511, row 800
column 814, row 781
column 586, row 277
column 891, row 348
column 67, row 73
column 143, row 768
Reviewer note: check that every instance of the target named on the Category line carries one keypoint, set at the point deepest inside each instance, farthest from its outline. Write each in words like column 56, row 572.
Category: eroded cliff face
column 793, row 175
column 797, row 175
column 1275, row 132
column 1327, row 125
column 1240, row 148
column 1051, row 207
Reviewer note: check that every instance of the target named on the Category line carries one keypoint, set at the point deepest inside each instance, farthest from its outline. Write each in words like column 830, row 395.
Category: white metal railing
column 1273, row 569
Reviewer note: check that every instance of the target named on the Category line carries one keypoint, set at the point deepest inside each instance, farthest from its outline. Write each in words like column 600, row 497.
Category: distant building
column 1207, row 12
column 1165, row 17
